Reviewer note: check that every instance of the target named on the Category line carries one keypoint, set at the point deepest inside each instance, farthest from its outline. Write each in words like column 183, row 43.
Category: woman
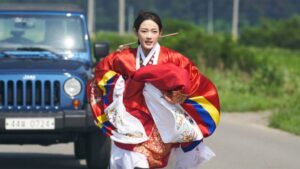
column 153, row 103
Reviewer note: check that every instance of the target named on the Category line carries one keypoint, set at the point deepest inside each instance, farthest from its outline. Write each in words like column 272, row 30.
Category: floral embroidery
column 115, row 118
column 95, row 96
column 184, row 125
column 156, row 151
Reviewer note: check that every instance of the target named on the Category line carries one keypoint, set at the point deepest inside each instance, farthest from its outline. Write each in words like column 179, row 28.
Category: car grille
column 29, row 94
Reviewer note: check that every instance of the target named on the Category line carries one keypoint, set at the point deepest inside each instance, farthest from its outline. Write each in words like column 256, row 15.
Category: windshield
column 58, row 33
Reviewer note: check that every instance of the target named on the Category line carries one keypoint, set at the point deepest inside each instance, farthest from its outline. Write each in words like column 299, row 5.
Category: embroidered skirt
column 155, row 150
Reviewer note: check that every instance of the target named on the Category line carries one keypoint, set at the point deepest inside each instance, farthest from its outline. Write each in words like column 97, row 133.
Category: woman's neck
column 146, row 51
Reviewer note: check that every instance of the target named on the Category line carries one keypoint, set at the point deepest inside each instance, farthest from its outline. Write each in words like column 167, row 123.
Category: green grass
column 288, row 116
column 236, row 94
column 286, row 120
column 240, row 93
column 242, row 102
column 284, row 59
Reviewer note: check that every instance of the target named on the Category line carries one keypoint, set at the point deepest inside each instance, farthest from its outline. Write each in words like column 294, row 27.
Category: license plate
column 29, row 123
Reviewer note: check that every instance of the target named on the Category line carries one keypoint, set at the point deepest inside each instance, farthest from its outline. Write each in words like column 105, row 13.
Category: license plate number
column 29, row 123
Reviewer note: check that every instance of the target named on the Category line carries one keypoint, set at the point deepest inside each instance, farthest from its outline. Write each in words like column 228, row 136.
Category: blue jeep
column 45, row 62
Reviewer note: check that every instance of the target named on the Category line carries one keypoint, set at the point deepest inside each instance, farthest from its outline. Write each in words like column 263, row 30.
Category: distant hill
column 190, row 10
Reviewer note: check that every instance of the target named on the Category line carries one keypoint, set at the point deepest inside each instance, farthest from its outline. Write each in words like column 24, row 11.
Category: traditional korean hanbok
column 147, row 131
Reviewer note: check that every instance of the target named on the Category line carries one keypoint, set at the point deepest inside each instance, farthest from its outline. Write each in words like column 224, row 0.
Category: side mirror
column 101, row 50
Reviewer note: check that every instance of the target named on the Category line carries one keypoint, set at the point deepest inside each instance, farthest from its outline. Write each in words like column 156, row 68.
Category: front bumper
column 69, row 124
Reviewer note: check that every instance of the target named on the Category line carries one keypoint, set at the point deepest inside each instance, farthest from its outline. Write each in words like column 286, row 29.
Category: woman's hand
column 122, row 47
column 174, row 96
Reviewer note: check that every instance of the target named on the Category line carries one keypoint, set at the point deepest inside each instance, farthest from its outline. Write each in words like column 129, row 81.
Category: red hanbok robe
column 202, row 103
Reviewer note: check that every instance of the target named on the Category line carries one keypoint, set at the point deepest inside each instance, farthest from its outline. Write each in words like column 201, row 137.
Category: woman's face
column 148, row 35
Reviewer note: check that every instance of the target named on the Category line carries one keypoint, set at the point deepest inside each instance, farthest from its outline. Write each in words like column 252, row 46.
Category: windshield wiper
column 3, row 55
column 39, row 49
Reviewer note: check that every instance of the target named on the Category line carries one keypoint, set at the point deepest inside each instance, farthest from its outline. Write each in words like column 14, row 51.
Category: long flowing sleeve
column 100, row 91
column 203, row 104
column 106, row 97
column 203, row 100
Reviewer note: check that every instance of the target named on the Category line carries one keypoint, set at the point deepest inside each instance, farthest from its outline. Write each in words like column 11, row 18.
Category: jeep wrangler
column 45, row 62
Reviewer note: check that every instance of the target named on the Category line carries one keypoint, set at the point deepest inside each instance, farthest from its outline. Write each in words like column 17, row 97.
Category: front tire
column 80, row 147
column 98, row 151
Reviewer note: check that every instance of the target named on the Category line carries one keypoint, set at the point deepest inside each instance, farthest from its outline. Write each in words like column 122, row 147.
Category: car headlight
column 72, row 87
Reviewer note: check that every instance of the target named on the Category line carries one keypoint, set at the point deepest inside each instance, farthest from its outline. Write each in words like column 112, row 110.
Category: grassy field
column 240, row 93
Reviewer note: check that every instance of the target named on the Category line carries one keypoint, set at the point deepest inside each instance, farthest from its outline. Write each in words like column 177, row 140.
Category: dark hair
column 146, row 15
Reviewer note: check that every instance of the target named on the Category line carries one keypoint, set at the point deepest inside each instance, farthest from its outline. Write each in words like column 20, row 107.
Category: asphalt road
column 39, row 157
column 244, row 142
column 240, row 142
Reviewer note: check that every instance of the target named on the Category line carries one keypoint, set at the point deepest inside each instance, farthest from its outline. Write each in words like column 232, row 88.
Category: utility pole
column 210, row 17
column 121, row 17
column 235, row 20
column 91, row 17
column 130, row 18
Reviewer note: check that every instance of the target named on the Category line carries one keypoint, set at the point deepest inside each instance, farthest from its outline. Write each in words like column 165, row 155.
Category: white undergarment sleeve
column 174, row 124
column 124, row 159
column 129, row 130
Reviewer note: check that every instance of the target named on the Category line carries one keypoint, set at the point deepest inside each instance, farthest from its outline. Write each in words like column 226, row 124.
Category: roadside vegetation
column 260, row 72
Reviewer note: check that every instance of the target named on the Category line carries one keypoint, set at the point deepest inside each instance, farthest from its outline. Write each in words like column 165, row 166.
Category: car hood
column 41, row 65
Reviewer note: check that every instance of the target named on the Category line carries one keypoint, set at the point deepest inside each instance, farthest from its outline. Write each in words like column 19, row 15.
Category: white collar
column 140, row 55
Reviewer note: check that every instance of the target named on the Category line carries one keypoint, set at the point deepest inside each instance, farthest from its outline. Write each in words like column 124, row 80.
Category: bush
column 214, row 51
column 283, row 33
column 114, row 39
